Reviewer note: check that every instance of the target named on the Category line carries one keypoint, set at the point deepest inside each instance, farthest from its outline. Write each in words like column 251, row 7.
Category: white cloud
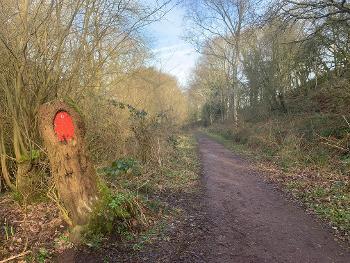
column 171, row 53
column 177, row 60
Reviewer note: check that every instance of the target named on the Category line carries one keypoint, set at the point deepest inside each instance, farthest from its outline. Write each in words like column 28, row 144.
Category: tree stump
column 63, row 131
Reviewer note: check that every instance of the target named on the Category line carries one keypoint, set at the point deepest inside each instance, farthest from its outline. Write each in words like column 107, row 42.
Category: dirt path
column 233, row 217
column 251, row 221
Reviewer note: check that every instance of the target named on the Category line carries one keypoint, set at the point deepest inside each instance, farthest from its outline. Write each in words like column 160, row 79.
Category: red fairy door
column 63, row 126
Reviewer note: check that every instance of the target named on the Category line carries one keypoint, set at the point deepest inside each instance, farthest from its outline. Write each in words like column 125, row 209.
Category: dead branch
column 16, row 256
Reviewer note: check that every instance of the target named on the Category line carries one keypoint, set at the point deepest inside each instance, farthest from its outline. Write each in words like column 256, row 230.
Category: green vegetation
column 127, row 208
column 121, row 166
column 43, row 254
column 9, row 230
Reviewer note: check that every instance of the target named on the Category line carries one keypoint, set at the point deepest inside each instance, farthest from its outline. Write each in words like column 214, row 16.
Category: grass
column 331, row 203
column 149, row 236
column 127, row 206
column 314, row 174
column 181, row 173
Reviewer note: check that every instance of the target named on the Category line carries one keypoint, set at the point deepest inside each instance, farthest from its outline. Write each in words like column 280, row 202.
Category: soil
column 22, row 228
column 233, row 216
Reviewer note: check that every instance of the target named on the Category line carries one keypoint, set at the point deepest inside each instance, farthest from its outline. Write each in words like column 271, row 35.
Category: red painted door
column 63, row 126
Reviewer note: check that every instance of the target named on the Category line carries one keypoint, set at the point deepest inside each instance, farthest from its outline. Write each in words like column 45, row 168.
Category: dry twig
column 15, row 256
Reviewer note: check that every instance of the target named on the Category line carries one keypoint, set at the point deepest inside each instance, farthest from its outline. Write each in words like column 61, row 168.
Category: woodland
column 272, row 82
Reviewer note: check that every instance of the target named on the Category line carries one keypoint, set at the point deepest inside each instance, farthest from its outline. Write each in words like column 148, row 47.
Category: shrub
column 122, row 166
column 118, row 210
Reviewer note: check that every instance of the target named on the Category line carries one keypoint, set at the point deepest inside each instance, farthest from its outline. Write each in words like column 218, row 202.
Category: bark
column 4, row 171
column 74, row 175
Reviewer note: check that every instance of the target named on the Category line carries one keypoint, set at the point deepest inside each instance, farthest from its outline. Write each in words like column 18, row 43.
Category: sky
column 172, row 54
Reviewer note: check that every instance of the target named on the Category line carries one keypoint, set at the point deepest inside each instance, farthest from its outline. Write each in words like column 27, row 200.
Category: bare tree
column 315, row 10
column 55, row 49
column 215, row 28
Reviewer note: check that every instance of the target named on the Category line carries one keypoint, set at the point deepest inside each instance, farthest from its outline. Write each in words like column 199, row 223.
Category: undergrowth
column 129, row 207
column 132, row 208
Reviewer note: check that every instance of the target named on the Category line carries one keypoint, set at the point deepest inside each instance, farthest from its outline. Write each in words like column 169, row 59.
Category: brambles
column 118, row 209
column 121, row 166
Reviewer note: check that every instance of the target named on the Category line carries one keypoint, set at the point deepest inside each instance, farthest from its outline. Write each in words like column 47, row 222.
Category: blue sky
column 171, row 53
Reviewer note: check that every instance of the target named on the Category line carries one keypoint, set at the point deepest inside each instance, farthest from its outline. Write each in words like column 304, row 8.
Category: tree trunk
column 74, row 174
